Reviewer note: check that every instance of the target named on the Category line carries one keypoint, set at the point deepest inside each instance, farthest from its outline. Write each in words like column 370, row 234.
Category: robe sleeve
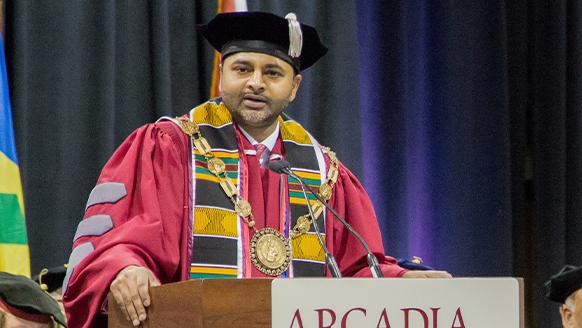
column 148, row 226
column 351, row 202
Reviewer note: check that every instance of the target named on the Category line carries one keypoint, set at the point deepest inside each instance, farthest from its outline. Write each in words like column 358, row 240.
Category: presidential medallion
column 270, row 251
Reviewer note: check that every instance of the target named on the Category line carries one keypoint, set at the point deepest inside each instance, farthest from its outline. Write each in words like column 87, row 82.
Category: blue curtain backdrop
column 462, row 119
column 436, row 127
column 471, row 115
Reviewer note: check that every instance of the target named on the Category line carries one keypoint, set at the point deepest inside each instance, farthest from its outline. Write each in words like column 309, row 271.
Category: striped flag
column 14, row 254
column 224, row 6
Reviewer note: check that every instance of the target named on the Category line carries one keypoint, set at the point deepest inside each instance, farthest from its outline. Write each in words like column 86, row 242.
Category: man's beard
column 253, row 118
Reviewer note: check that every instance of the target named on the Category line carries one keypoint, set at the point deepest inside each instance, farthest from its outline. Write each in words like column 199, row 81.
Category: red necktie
column 260, row 150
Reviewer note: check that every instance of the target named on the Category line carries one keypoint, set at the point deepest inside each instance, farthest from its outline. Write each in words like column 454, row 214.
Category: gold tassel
column 295, row 36
column 44, row 287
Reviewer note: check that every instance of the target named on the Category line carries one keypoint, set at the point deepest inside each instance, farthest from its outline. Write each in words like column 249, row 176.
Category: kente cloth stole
column 221, row 238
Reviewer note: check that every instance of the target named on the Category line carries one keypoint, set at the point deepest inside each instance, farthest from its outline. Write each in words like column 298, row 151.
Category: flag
column 14, row 253
column 224, row 6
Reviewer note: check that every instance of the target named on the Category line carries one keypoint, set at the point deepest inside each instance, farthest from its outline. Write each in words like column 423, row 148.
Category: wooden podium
column 205, row 303
column 248, row 302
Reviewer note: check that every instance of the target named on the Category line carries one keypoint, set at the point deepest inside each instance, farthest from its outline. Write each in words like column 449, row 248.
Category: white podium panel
column 396, row 303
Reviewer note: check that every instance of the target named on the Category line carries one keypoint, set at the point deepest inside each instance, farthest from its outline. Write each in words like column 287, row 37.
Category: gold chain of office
column 270, row 251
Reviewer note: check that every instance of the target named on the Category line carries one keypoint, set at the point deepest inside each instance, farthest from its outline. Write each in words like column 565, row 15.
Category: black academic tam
column 266, row 33
column 564, row 283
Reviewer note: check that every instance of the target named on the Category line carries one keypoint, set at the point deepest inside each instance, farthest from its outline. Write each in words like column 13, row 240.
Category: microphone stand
column 285, row 167
column 329, row 259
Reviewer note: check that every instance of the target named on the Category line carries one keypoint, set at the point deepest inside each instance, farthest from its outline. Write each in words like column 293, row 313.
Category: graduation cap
column 23, row 298
column 51, row 279
column 414, row 264
column 285, row 38
column 564, row 283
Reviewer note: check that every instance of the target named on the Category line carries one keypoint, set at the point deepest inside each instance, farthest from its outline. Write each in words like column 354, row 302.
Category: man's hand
column 426, row 274
column 130, row 289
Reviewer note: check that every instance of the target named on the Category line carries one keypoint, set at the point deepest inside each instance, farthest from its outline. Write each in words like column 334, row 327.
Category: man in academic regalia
column 193, row 197
column 565, row 288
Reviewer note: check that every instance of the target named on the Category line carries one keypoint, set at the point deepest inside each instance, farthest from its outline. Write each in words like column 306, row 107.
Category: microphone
column 283, row 167
column 276, row 166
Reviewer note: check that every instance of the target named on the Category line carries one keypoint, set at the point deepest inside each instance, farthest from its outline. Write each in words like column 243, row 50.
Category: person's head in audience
column 23, row 304
column 51, row 281
column 565, row 287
